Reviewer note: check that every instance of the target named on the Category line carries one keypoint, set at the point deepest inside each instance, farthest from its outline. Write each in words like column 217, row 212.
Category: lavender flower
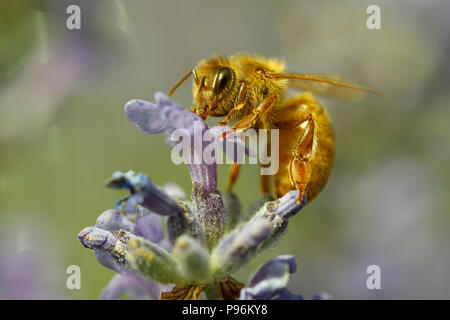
column 207, row 238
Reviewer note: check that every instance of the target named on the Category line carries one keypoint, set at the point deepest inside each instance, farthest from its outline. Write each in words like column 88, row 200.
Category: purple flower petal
column 204, row 174
column 129, row 204
column 96, row 238
column 133, row 286
column 107, row 260
column 270, row 281
column 113, row 220
column 149, row 227
column 113, row 243
column 175, row 116
column 275, row 268
column 145, row 116
column 166, row 245
column 144, row 192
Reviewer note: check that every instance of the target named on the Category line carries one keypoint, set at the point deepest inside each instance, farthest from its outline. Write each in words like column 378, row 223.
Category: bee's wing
column 329, row 85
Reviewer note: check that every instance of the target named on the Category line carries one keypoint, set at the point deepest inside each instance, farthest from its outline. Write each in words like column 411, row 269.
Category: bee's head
column 213, row 89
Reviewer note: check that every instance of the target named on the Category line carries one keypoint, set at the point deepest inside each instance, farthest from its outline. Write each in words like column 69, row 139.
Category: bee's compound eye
column 223, row 77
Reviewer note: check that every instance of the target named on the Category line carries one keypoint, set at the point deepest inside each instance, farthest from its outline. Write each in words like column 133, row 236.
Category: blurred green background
column 63, row 131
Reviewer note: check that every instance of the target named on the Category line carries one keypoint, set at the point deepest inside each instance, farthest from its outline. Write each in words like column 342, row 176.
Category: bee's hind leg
column 265, row 184
column 299, row 166
column 234, row 173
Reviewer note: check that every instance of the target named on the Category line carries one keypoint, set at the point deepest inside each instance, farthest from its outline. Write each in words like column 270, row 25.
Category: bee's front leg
column 239, row 104
column 263, row 112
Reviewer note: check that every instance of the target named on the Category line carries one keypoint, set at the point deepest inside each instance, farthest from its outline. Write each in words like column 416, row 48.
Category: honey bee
column 253, row 91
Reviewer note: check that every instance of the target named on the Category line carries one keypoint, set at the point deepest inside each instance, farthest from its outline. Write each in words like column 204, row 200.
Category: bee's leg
column 263, row 112
column 265, row 184
column 238, row 104
column 266, row 180
column 234, row 173
column 299, row 166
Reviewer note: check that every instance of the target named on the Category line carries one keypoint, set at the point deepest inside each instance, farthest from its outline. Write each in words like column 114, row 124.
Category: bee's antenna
column 194, row 74
column 179, row 83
